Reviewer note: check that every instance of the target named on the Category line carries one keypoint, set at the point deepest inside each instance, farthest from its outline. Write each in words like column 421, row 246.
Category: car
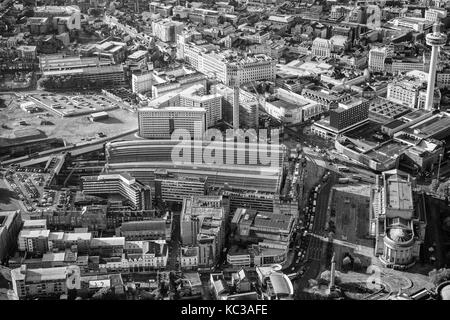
column 293, row 268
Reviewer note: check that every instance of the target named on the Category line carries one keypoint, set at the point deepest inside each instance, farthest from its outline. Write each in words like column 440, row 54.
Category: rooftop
column 398, row 193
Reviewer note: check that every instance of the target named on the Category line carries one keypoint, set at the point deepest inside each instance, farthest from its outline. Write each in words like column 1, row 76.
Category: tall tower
column 436, row 40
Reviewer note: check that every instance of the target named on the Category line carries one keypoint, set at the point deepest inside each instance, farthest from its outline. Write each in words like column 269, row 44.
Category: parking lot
column 27, row 186
column 71, row 129
column 76, row 105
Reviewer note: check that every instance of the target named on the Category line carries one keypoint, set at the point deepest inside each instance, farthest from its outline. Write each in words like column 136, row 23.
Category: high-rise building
column 141, row 82
column 349, row 113
column 377, row 57
column 160, row 123
column 10, row 223
column 247, row 113
column 194, row 209
column 195, row 96
column 167, row 30
column 138, row 194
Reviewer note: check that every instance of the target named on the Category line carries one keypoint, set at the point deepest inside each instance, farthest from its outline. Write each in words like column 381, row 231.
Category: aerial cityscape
column 224, row 150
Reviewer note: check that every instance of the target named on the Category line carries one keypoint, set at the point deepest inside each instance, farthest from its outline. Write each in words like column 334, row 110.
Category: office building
column 189, row 258
column 395, row 222
column 321, row 48
column 167, row 30
column 377, row 58
column 162, row 9
column 27, row 53
column 195, row 96
column 160, row 123
column 138, row 59
column 405, row 91
column 194, row 210
column 138, row 194
column 227, row 66
column 174, row 188
column 111, row 50
column 253, row 226
column 63, row 18
column 10, row 223
column 239, row 107
column 349, row 113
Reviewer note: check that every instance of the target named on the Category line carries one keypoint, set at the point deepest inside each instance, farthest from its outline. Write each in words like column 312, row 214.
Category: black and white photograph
column 211, row 158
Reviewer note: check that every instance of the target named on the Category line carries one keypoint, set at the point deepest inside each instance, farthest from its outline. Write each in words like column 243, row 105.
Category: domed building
column 395, row 223
column 444, row 291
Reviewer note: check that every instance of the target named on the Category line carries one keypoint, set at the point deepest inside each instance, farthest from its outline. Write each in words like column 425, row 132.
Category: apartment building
column 34, row 241
column 28, row 283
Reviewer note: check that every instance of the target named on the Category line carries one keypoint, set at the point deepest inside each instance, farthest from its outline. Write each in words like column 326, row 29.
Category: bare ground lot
column 71, row 129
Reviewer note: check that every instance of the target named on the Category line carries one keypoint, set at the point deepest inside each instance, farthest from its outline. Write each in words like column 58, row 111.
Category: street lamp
column 439, row 166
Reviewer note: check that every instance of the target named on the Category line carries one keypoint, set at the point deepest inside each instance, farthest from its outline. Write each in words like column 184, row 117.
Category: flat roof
column 110, row 241
column 399, row 193
column 34, row 233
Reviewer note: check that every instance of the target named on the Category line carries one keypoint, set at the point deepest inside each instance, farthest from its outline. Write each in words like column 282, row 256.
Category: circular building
column 398, row 246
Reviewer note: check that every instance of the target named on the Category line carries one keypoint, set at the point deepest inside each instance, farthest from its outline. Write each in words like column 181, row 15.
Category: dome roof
column 400, row 234
column 445, row 292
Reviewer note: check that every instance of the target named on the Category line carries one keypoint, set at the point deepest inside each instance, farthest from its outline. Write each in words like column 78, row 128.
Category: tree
column 444, row 189
column 439, row 276
column 434, row 185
